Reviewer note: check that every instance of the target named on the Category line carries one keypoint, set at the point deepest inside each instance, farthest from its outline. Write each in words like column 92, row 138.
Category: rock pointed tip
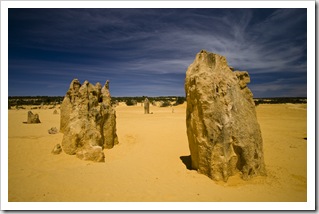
column 203, row 51
column 74, row 82
column 106, row 85
column 206, row 54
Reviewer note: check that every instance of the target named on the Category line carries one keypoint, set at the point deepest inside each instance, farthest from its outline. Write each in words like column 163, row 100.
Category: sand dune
column 150, row 162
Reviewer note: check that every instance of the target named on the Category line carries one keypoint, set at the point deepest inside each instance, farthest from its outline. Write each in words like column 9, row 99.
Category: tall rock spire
column 223, row 132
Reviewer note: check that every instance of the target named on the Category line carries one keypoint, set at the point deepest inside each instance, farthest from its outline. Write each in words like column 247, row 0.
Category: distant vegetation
column 34, row 100
column 130, row 101
column 165, row 100
column 55, row 100
column 280, row 100
column 151, row 99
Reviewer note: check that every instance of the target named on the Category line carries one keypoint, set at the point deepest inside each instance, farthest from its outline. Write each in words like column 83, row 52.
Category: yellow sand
column 147, row 165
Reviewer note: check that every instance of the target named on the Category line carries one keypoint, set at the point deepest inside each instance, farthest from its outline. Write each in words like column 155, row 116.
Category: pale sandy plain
column 148, row 163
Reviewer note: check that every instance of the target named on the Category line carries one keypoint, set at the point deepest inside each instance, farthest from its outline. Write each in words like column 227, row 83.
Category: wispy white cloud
column 280, row 88
column 131, row 44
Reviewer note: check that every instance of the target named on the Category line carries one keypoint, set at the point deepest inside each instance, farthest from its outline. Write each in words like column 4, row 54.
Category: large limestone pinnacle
column 88, row 121
column 223, row 132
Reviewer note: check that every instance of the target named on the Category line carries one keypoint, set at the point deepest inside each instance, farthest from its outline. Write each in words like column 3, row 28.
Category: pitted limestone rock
column 223, row 133
column 88, row 121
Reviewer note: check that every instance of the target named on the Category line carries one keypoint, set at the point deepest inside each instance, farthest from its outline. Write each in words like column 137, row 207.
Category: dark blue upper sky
column 147, row 51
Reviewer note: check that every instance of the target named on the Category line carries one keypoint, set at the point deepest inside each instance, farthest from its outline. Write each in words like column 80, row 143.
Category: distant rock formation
column 154, row 103
column 33, row 118
column 55, row 112
column 146, row 106
column 53, row 130
column 88, row 121
column 56, row 149
column 223, row 133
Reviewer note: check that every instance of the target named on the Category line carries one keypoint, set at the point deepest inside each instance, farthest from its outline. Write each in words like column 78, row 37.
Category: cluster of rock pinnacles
column 224, row 136
column 88, row 121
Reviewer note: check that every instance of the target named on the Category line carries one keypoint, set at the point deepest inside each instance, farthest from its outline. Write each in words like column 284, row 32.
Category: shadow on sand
column 187, row 161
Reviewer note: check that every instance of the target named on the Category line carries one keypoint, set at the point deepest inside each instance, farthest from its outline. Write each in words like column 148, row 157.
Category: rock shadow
column 187, row 161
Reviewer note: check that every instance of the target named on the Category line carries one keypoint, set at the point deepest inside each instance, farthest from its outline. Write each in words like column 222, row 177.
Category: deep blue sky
column 147, row 51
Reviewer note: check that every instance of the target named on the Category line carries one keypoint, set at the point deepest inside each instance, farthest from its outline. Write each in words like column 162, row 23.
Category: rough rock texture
column 33, row 118
column 223, row 133
column 146, row 106
column 88, row 121
column 93, row 153
column 53, row 130
column 57, row 149
column 55, row 112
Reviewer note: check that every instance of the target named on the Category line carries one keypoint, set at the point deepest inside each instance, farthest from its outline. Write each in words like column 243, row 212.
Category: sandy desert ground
column 150, row 162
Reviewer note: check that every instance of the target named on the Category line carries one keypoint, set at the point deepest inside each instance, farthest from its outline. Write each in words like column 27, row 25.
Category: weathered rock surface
column 93, row 153
column 33, row 118
column 88, row 121
column 55, row 112
column 223, row 133
column 53, row 130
